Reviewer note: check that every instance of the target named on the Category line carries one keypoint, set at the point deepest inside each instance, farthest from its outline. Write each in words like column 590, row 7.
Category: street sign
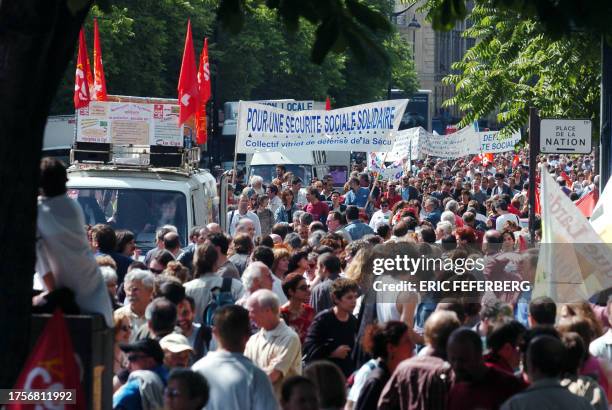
column 565, row 136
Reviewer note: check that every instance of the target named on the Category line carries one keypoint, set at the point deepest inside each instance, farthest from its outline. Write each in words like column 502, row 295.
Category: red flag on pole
column 99, row 82
column 568, row 180
column 52, row 365
column 488, row 157
column 587, row 203
column 327, row 104
column 188, row 81
column 81, row 86
column 205, row 93
column 516, row 161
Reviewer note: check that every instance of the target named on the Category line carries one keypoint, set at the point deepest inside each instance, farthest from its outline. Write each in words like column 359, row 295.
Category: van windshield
column 268, row 172
column 140, row 211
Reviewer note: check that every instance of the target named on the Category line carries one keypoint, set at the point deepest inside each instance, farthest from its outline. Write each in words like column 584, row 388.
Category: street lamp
column 414, row 26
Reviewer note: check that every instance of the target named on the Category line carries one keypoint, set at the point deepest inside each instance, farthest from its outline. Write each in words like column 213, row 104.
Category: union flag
column 51, row 365
column 81, row 84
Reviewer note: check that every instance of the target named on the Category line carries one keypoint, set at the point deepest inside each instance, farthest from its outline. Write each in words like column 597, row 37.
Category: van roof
column 159, row 180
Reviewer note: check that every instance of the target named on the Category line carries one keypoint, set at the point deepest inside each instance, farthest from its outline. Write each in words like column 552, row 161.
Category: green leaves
column 515, row 65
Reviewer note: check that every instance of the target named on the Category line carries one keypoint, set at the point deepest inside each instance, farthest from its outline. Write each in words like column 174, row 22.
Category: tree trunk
column 37, row 40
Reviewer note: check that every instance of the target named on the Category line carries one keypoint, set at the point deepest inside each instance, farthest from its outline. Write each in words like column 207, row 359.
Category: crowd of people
column 280, row 311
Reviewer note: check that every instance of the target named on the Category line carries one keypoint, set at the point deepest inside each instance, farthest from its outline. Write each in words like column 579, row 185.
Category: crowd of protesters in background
column 279, row 311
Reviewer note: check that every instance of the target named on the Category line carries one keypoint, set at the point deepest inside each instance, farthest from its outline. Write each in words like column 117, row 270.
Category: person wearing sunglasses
column 187, row 390
column 147, row 380
column 382, row 215
column 297, row 312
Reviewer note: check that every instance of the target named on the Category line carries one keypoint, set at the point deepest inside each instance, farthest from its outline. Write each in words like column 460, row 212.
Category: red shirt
column 301, row 323
column 487, row 394
column 393, row 199
column 318, row 211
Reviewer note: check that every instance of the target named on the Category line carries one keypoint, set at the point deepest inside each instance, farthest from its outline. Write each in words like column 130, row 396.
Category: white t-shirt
column 233, row 217
column 379, row 217
column 61, row 246
column 199, row 290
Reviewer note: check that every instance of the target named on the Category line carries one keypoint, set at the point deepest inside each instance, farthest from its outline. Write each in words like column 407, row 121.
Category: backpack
column 220, row 297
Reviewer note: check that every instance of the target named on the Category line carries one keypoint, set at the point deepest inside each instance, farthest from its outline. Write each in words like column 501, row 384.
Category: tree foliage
column 142, row 46
column 515, row 64
column 558, row 18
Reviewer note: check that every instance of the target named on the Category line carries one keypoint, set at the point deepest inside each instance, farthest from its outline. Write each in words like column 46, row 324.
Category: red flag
column 568, row 180
column 477, row 159
column 188, row 81
column 99, row 83
column 488, row 157
column 587, row 203
column 51, row 365
column 516, row 161
column 81, row 87
column 204, row 92
column 327, row 104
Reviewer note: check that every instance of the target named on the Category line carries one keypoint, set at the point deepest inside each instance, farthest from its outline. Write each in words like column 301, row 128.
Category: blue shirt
column 357, row 230
column 521, row 310
column 128, row 397
column 358, row 199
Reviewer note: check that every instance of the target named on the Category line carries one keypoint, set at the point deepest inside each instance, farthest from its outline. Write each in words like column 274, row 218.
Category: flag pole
column 534, row 142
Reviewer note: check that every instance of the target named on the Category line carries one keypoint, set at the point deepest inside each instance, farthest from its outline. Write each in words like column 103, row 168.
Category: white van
column 144, row 199
column 304, row 164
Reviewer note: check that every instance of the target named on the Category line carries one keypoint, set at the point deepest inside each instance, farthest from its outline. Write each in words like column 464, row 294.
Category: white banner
column 493, row 142
column 127, row 123
column 456, row 145
column 367, row 127
column 574, row 263
column 466, row 141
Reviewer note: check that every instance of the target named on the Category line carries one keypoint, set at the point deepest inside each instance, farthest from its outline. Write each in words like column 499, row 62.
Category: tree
column 557, row 18
column 515, row 65
column 36, row 43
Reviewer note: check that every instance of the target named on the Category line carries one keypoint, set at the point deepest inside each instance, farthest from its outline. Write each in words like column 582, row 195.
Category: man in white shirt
column 275, row 348
column 234, row 217
column 62, row 245
column 235, row 382
column 275, row 201
column 139, row 285
column 382, row 215
column 501, row 207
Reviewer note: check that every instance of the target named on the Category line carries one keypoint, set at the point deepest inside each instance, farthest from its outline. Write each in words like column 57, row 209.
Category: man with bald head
column 246, row 226
column 214, row 227
column 275, row 348
column 476, row 386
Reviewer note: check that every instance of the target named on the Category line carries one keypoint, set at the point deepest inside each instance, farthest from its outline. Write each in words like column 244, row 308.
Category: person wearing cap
column 145, row 386
column 177, row 350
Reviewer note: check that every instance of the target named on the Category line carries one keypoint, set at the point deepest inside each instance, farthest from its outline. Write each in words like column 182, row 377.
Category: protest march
column 417, row 277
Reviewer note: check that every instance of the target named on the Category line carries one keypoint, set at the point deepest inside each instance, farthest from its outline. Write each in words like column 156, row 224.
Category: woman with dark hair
column 186, row 390
column 286, row 211
column 332, row 333
column 265, row 215
column 242, row 249
column 126, row 244
column 299, row 393
column 298, row 262
column 297, row 313
column 388, row 344
column 206, row 279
